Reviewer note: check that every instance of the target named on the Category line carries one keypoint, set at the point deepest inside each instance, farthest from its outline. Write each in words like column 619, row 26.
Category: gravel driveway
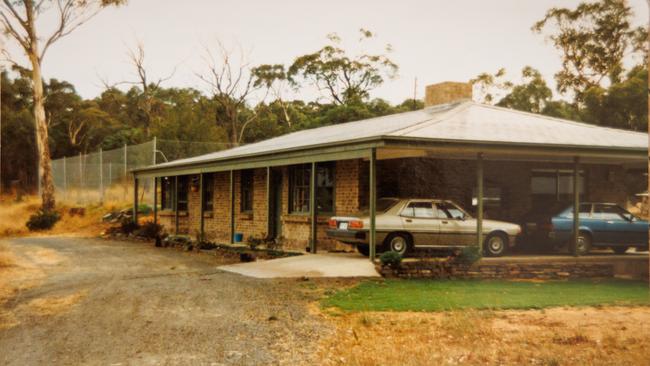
column 99, row 302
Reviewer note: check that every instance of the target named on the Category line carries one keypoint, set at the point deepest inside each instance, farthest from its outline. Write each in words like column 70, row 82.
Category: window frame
column 208, row 192
column 167, row 188
column 558, row 176
column 246, row 190
column 414, row 216
column 445, row 215
column 183, row 193
column 304, row 185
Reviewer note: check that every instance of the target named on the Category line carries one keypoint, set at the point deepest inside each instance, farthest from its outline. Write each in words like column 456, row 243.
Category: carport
column 475, row 132
column 462, row 131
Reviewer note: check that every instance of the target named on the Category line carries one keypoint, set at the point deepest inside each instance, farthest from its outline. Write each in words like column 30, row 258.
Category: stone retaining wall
column 542, row 271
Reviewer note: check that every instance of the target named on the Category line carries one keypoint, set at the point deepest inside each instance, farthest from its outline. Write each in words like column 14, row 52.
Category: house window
column 491, row 197
column 183, row 186
column 299, row 188
column 166, row 193
column 554, row 185
column 299, row 184
column 247, row 179
column 208, row 192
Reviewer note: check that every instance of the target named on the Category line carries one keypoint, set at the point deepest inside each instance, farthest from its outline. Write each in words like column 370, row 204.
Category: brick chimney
column 447, row 92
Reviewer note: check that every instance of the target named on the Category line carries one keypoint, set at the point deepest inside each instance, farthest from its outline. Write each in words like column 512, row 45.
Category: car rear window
column 384, row 204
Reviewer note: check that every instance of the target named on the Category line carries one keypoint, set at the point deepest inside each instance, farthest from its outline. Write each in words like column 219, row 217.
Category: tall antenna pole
column 415, row 93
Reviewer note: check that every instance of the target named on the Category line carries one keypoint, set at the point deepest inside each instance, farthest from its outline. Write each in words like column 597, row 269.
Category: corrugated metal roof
column 468, row 122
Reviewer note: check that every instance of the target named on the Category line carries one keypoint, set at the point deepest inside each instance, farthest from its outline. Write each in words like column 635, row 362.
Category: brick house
column 495, row 161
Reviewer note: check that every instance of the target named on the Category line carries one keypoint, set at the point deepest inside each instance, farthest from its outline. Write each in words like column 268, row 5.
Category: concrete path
column 308, row 265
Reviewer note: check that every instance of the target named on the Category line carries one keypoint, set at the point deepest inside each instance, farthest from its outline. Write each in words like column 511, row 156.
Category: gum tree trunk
column 42, row 138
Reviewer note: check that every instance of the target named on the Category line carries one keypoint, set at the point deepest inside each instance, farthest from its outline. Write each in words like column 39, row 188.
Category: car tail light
column 356, row 224
column 332, row 224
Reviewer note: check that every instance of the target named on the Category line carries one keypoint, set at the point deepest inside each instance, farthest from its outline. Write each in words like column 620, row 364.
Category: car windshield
column 611, row 212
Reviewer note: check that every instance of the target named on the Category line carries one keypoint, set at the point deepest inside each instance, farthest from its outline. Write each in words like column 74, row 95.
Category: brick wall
column 347, row 190
column 542, row 271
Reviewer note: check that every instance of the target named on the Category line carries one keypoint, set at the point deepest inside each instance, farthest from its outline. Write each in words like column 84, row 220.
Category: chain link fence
column 105, row 177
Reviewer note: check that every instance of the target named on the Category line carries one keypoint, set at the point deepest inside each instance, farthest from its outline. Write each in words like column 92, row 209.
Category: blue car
column 602, row 225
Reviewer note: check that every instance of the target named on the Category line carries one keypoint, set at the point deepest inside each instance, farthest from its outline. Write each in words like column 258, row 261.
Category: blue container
column 239, row 237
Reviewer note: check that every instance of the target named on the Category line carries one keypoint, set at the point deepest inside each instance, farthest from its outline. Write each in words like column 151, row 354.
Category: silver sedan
column 405, row 224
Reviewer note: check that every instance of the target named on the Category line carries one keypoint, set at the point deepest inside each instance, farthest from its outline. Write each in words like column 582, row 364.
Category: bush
column 43, row 220
column 468, row 255
column 150, row 230
column 206, row 245
column 128, row 226
column 390, row 259
column 144, row 209
column 254, row 242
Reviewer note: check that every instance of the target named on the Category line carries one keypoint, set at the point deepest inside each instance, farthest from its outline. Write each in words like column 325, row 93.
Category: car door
column 454, row 228
column 616, row 229
column 419, row 220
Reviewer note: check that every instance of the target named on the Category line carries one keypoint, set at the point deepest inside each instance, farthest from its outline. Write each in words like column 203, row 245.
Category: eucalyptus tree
column 231, row 83
column 20, row 23
column 593, row 39
column 345, row 79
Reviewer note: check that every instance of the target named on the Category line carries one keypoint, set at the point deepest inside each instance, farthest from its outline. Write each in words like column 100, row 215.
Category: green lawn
column 440, row 295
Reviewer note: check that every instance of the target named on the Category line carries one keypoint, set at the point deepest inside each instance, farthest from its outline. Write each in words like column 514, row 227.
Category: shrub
column 468, row 255
column 253, row 242
column 150, row 230
column 390, row 259
column 274, row 244
column 43, row 220
column 144, row 209
column 206, row 245
column 128, row 226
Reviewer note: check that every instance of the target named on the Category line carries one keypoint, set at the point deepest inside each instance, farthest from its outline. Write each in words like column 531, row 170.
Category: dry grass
column 14, row 216
column 557, row 336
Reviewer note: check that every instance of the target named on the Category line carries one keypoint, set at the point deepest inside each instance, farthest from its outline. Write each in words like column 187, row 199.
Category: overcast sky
column 432, row 40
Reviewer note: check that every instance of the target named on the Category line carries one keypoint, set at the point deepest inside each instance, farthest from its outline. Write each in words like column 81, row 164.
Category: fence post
column 126, row 171
column 81, row 178
column 110, row 174
column 65, row 180
column 101, row 176
column 155, row 150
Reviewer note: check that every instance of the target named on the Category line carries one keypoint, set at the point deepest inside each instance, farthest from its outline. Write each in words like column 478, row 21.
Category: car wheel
column 619, row 250
column 364, row 249
column 398, row 242
column 495, row 244
column 584, row 243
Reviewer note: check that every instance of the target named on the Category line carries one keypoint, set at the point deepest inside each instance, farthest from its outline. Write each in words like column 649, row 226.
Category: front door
column 275, row 211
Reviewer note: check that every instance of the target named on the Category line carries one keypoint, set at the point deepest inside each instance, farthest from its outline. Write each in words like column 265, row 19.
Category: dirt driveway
column 97, row 302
